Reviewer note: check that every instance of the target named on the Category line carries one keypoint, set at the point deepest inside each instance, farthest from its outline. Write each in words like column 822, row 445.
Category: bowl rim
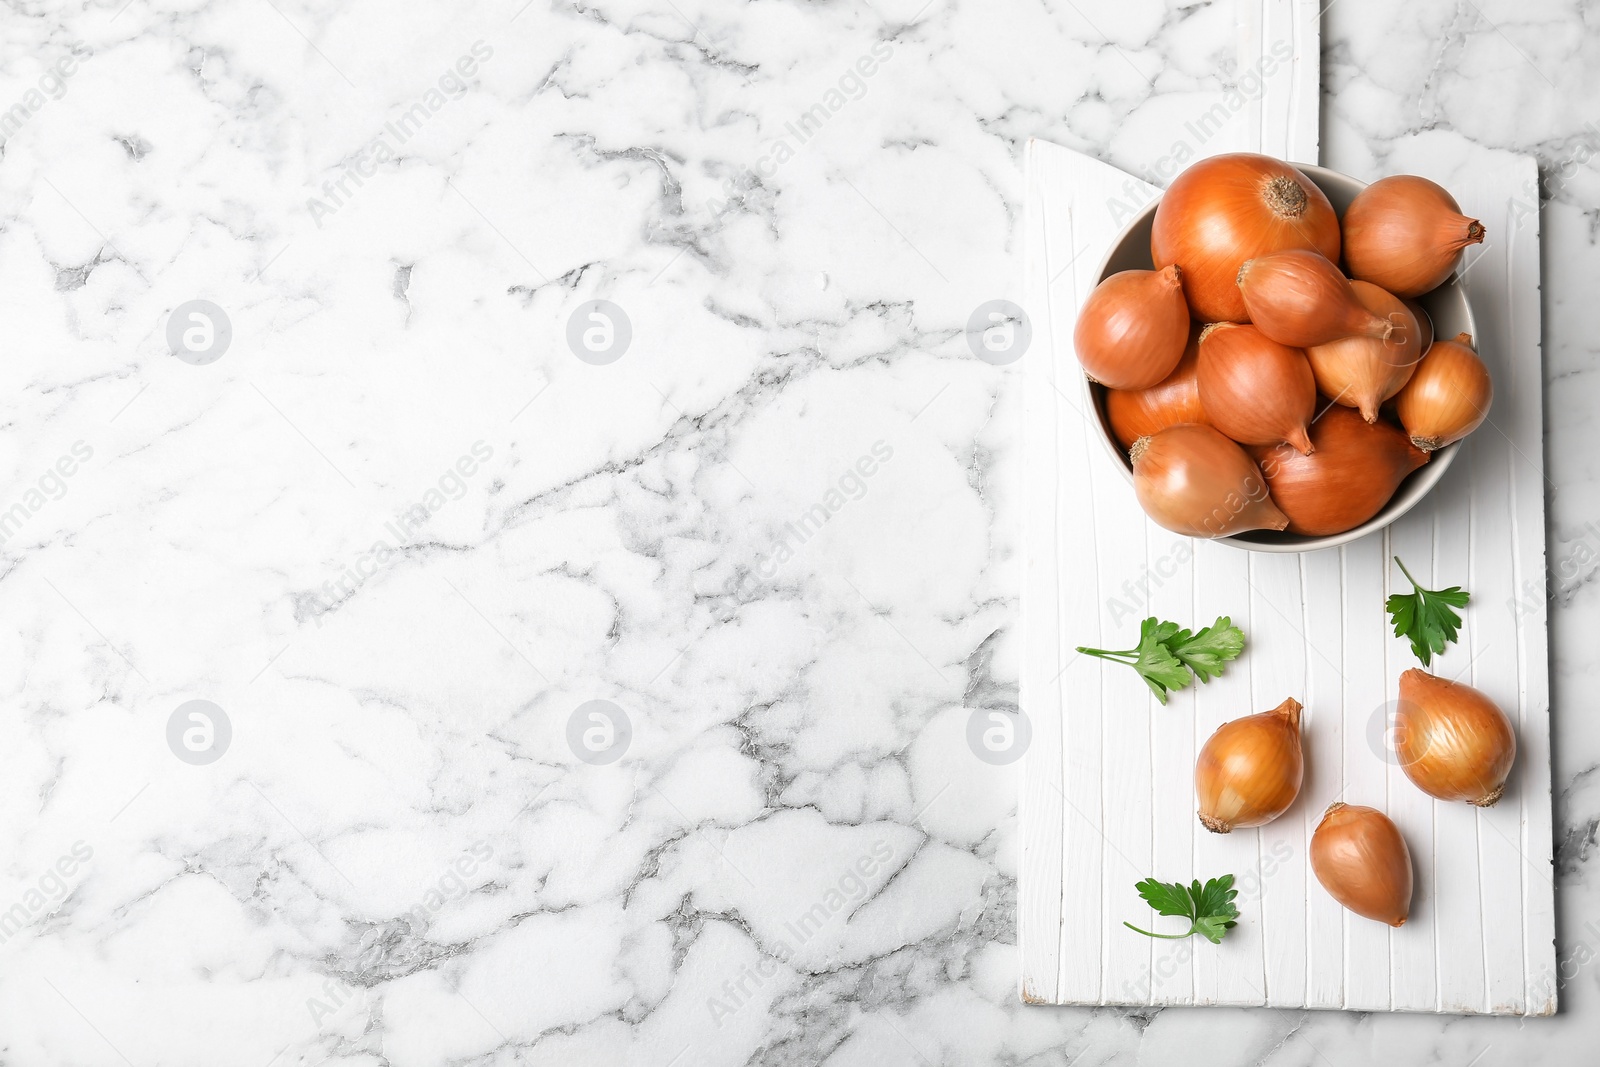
column 1414, row 487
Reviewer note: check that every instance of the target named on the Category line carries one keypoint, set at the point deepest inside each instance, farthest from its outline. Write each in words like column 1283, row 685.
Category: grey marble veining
column 401, row 535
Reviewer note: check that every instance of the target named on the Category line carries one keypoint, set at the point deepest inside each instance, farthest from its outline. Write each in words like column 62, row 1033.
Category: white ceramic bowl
column 1447, row 306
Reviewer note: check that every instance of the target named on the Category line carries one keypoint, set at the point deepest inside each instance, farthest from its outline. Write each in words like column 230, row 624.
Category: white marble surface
column 399, row 858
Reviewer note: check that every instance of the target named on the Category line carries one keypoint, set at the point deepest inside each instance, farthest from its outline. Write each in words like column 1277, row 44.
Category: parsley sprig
column 1168, row 658
column 1208, row 908
column 1425, row 616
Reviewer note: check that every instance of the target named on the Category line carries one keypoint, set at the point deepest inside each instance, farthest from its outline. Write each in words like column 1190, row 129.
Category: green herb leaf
column 1425, row 616
column 1156, row 664
column 1209, row 908
column 1216, row 899
column 1168, row 658
column 1206, row 651
column 1168, row 898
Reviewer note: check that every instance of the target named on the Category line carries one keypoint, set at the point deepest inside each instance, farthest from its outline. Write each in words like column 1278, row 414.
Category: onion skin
column 1249, row 772
column 1133, row 328
column 1136, row 413
column 1448, row 397
column 1363, row 372
column 1356, row 468
column 1194, row 481
column 1454, row 743
column 1300, row 299
column 1256, row 391
column 1406, row 234
column 1226, row 209
column 1360, row 858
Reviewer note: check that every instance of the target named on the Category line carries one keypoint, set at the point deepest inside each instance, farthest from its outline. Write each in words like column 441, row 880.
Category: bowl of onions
column 1279, row 356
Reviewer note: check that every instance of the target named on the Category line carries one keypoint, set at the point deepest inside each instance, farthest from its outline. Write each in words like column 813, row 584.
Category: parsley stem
column 1413, row 581
column 1132, row 653
column 1168, row 937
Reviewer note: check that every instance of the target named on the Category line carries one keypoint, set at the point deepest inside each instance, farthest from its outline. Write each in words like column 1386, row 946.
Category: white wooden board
column 1280, row 50
column 1108, row 794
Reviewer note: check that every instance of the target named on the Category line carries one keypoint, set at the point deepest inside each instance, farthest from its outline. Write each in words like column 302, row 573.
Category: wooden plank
column 1507, row 296
column 1458, row 916
column 1279, row 76
column 1412, row 960
column 1041, row 806
column 1234, row 974
column 1493, row 669
column 1523, row 399
column 1277, row 645
column 1172, row 750
column 1129, row 795
column 1496, row 648
column 1324, row 730
column 1062, row 768
column 1366, row 943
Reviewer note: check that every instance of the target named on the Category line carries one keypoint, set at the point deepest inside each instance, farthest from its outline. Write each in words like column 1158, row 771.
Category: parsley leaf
column 1168, row 658
column 1208, row 908
column 1425, row 616
column 1208, row 650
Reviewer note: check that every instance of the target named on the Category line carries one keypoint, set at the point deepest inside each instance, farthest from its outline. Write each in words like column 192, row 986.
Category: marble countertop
column 506, row 533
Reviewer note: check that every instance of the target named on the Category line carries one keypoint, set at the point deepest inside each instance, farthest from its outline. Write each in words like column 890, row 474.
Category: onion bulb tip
column 1286, row 197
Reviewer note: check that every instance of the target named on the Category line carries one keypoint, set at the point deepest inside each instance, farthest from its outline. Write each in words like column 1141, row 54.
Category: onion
column 1300, row 299
column 1256, row 391
column 1363, row 372
column 1194, row 481
column 1136, row 413
column 1249, row 771
column 1406, row 234
column 1454, row 743
column 1448, row 397
column 1356, row 468
column 1133, row 328
column 1360, row 858
column 1230, row 208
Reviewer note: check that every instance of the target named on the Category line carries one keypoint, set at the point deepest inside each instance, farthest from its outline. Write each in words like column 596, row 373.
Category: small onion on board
column 1136, row 413
column 1194, row 481
column 1360, row 858
column 1300, row 299
column 1255, row 390
column 1448, row 397
column 1406, row 234
column 1362, row 372
column 1249, row 771
column 1453, row 742
column 1226, row 209
column 1133, row 328
column 1354, row 471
